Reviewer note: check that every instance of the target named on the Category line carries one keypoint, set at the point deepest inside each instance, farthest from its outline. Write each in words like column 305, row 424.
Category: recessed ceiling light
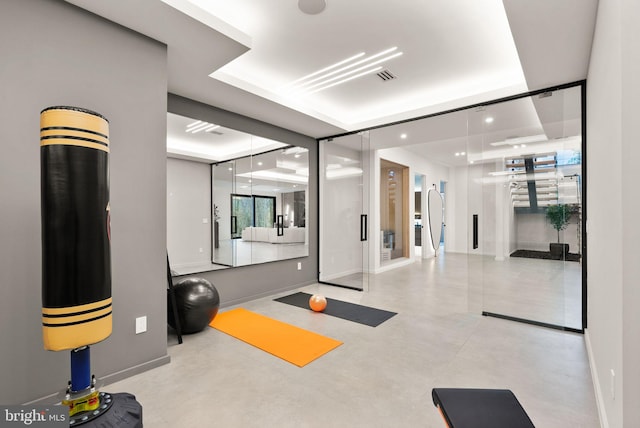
column 470, row 161
column 403, row 136
column 347, row 67
column 331, row 67
column 339, row 82
column 328, row 77
column 457, row 153
column 462, row 153
column 259, row 163
column 488, row 120
column 211, row 128
column 199, row 126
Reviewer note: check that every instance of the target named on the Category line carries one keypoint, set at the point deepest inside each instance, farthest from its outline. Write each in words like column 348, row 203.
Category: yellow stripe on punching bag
column 76, row 255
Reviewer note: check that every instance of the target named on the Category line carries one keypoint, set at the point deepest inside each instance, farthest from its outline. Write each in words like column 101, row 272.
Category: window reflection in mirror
column 233, row 199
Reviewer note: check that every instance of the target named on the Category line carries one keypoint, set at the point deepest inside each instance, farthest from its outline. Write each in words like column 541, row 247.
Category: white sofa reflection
column 270, row 234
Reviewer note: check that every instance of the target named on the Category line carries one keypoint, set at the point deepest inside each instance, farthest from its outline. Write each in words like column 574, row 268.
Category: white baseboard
column 340, row 274
column 394, row 264
column 270, row 293
column 602, row 413
column 108, row 379
column 178, row 266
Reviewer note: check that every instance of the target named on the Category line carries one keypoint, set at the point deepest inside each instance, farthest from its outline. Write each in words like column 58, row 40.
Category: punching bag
column 76, row 257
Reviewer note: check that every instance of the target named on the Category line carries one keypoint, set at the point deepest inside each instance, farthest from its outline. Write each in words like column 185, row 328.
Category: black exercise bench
column 480, row 408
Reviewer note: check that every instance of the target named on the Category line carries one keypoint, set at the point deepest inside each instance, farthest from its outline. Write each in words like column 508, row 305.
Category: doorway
column 394, row 211
column 344, row 211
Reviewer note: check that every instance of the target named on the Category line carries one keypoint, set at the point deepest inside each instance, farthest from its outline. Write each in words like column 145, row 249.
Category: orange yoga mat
column 291, row 343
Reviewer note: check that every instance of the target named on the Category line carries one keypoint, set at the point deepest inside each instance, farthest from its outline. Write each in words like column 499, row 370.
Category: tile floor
column 379, row 377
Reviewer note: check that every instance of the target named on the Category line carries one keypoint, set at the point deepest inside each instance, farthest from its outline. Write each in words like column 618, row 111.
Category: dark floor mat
column 530, row 254
column 345, row 310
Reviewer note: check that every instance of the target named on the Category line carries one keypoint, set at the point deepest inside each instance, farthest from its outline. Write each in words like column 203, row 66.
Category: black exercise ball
column 197, row 301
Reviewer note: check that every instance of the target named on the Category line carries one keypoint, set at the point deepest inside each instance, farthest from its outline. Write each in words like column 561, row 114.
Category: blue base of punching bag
column 110, row 410
column 80, row 369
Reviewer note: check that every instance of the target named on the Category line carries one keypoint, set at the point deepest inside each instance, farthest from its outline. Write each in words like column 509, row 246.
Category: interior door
column 344, row 211
column 526, row 156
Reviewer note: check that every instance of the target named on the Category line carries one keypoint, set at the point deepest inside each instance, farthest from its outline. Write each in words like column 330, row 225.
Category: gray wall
column 188, row 204
column 613, row 107
column 244, row 283
column 534, row 232
column 55, row 54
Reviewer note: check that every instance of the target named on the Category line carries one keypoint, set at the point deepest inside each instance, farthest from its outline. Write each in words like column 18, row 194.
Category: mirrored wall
column 233, row 199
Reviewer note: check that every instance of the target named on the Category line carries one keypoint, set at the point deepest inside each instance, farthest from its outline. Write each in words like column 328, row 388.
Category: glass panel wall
column 344, row 216
column 526, row 155
column 514, row 181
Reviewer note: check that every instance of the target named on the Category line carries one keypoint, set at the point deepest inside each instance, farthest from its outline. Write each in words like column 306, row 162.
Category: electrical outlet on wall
column 141, row 324
column 299, row 265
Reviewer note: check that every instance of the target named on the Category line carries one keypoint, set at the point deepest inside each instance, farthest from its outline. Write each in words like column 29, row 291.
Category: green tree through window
column 265, row 211
column 253, row 210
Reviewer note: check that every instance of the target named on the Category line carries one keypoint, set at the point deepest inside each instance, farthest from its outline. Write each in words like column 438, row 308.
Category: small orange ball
column 317, row 303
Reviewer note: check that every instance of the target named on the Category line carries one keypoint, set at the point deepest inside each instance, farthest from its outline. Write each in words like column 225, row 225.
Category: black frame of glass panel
column 583, row 101
column 363, row 217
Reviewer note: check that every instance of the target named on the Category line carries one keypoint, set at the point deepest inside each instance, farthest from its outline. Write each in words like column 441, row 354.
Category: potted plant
column 559, row 216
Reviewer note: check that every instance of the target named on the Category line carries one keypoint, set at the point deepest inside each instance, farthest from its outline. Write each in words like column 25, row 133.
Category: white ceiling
column 243, row 56
column 288, row 45
column 454, row 53
column 187, row 139
column 536, row 124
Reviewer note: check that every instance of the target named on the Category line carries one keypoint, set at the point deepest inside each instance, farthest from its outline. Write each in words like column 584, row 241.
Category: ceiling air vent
column 386, row 75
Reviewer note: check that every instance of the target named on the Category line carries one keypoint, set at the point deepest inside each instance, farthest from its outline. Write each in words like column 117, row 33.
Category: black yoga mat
column 337, row 308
